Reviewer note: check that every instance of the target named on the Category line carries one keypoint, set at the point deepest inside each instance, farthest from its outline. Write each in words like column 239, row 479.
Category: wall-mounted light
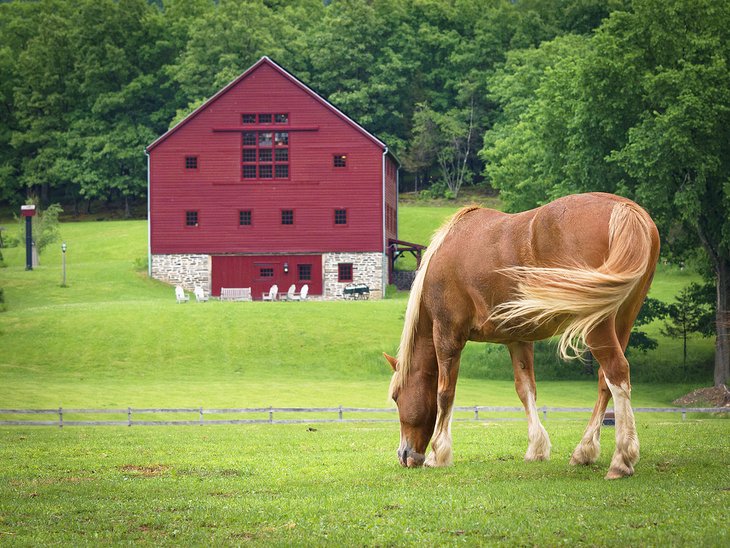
column 286, row 268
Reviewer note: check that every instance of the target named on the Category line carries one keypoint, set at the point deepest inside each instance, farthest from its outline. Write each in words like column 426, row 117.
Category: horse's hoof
column 618, row 472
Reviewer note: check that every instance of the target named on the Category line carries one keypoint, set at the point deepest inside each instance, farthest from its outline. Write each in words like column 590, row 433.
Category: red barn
column 268, row 183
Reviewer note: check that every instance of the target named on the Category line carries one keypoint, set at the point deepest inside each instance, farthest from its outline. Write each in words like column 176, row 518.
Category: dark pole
column 29, row 243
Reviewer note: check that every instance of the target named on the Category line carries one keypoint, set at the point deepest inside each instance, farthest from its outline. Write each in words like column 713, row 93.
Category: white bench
column 235, row 293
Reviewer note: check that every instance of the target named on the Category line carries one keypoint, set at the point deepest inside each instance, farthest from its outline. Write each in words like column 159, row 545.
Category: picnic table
column 356, row 291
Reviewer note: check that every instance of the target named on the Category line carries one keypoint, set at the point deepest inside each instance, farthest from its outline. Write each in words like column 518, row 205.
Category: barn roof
column 266, row 61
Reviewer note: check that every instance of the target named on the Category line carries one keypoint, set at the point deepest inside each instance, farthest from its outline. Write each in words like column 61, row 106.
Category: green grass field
column 114, row 338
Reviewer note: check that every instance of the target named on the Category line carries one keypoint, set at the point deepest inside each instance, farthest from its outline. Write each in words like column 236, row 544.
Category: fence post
column 544, row 413
column 60, row 417
column 201, row 416
column 340, row 413
column 271, row 414
column 476, row 413
column 684, row 413
column 129, row 416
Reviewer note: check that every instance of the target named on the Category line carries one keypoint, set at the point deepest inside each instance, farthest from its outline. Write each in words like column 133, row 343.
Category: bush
column 2, row 300
column 2, row 261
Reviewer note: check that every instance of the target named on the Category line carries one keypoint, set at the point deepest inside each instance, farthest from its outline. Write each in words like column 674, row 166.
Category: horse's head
column 416, row 401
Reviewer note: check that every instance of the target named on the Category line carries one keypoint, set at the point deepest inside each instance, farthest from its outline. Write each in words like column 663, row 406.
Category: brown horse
column 580, row 266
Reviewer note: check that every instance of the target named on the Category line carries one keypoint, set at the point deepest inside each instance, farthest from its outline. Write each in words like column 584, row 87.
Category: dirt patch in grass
column 150, row 471
column 715, row 396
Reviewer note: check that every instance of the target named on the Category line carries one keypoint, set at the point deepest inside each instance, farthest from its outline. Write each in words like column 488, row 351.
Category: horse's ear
column 392, row 361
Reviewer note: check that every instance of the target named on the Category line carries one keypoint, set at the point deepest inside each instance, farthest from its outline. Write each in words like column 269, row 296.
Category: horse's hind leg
column 522, row 363
column 589, row 447
column 607, row 349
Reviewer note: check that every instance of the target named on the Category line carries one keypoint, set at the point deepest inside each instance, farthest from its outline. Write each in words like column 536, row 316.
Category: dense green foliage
column 337, row 485
column 640, row 108
column 85, row 85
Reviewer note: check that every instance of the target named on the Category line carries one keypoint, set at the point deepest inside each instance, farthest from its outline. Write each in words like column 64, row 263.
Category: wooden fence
column 203, row 417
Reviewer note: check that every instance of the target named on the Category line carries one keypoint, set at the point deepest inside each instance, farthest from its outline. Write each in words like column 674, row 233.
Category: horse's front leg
column 522, row 362
column 448, row 353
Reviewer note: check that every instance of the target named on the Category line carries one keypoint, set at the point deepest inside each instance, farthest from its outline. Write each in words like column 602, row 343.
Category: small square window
column 265, row 155
column 191, row 162
column 191, row 218
column 266, row 272
column 305, row 272
column 287, row 217
column 249, row 154
column 340, row 216
column 282, row 154
column 344, row 272
column 248, row 118
column 282, row 138
column 249, row 172
column 265, row 118
column 281, row 118
column 244, row 217
column 265, row 138
column 249, row 138
column 265, row 172
column 282, row 171
column 340, row 160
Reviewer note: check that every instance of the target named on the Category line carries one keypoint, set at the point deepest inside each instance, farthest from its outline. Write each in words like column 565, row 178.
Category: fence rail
column 201, row 420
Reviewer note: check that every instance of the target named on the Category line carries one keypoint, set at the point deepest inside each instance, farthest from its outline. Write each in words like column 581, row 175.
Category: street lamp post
column 63, row 250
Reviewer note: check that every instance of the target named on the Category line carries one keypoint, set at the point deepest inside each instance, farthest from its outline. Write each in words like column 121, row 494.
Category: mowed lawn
column 114, row 338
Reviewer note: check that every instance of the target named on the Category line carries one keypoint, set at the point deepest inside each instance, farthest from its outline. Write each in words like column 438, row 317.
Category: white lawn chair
column 200, row 295
column 290, row 295
column 302, row 294
column 272, row 294
column 180, row 295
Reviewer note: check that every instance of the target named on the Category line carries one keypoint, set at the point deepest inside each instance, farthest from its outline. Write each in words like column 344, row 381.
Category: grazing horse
column 579, row 266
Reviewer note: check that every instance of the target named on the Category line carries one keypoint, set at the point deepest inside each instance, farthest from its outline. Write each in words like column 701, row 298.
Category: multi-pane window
column 248, row 118
column 265, row 118
column 266, row 272
column 340, row 216
column 191, row 218
column 191, row 162
column 244, row 217
column 281, row 118
column 305, row 272
column 265, row 155
column 339, row 160
column 344, row 272
column 287, row 216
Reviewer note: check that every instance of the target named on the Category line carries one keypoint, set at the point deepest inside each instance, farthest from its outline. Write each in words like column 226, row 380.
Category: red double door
column 261, row 272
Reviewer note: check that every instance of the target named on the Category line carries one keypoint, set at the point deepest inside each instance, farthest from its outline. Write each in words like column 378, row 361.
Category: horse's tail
column 585, row 296
column 405, row 350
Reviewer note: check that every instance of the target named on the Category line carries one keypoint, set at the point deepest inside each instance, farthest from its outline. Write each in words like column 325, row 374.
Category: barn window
column 340, row 160
column 281, row 118
column 191, row 218
column 248, row 118
column 265, row 118
column 305, row 272
column 265, row 155
column 340, row 216
column 287, row 216
column 266, row 272
column 244, row 217
column 191, row 162
column 344, row 272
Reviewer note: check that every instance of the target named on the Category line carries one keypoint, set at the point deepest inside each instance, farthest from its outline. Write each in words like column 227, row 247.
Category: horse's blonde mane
column 407, row 340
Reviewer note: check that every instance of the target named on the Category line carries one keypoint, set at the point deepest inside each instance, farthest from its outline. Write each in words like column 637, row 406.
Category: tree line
column 534, row 98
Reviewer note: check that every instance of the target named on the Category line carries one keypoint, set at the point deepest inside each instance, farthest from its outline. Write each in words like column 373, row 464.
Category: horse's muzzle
column 410, row 459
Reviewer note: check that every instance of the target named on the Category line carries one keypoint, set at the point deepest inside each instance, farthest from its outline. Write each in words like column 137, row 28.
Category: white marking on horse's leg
column 589, row 448
column 441, row 453
column 627, row 442
column 538, row 447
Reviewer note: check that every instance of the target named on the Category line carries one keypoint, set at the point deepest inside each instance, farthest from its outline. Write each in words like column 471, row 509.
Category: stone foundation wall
column 367, row 268
column 185, row 270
